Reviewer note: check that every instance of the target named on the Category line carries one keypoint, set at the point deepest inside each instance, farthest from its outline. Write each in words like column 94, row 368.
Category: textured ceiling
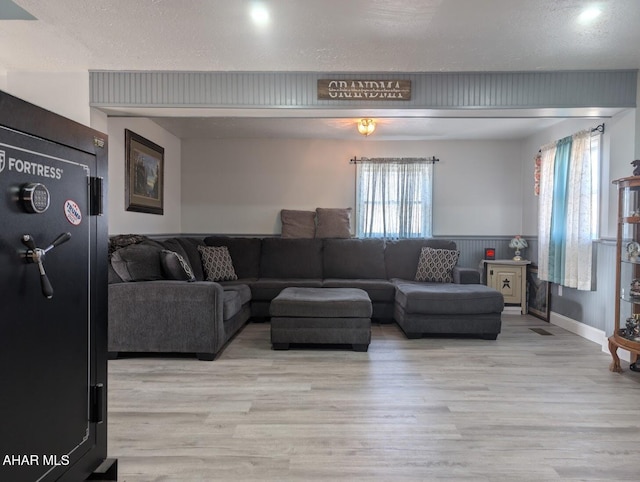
column 321, row 36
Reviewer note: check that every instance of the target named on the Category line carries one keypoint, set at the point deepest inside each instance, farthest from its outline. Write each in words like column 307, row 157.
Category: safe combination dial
column 35, row 197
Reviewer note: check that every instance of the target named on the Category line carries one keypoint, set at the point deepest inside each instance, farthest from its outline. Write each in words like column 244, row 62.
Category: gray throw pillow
column 113, row 276
column 137, row 262
column 123, row 240
column 175, row 266
column 217, row 263
column 298, row 224
column 333, row 223
column 436, row 265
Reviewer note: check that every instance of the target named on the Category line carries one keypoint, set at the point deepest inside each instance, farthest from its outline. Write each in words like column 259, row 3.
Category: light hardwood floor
column 526, row 407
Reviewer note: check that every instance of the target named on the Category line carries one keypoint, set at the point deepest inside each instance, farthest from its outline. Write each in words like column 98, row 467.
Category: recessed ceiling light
column 259, row 14
column 589, row 15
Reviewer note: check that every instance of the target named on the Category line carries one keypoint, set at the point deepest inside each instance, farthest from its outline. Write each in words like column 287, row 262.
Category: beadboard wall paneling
column 609, row 88
column 594, row 308
column 472, row 249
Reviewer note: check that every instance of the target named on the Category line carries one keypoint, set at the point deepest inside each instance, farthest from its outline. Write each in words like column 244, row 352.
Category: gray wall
column 593, row 308
column 239, row 186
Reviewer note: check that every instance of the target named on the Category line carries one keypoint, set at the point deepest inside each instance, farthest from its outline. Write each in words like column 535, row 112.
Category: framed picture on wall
column 144, row 177
column 537, row 294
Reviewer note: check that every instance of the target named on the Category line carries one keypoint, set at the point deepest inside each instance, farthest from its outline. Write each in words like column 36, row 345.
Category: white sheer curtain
column 545, row 205
column 578, row 261
column 566, row 214
column 393, row 198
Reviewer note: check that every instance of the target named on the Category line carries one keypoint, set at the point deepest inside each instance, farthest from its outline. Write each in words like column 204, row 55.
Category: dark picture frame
column 537, row 294
column 144, row 177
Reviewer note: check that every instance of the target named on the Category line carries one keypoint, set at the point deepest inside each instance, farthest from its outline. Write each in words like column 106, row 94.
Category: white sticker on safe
column 72, row 212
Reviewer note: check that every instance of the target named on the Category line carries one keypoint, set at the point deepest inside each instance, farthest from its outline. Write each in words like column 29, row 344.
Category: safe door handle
column 36, row 255
column 63, row 238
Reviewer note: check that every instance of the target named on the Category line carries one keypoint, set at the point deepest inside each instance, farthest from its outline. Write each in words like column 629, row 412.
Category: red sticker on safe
column 72, row 212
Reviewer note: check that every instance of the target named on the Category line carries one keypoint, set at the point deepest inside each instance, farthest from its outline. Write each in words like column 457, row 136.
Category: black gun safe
column 53, row 297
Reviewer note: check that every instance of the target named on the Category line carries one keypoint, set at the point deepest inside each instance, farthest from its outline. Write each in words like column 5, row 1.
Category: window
column 393, row 198
column 596, row 160
column 568, row 209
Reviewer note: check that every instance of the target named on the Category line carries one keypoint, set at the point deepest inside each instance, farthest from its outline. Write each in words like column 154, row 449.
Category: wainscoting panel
column 593, row 308
column 472, row 249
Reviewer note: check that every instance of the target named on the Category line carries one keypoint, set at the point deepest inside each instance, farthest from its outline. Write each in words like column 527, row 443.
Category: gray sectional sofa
column 148, row 313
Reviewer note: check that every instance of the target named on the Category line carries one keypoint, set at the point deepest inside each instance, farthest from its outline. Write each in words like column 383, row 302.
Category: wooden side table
column 509, row 277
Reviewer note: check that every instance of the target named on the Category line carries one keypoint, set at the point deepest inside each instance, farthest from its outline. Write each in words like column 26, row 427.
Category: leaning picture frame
column 537, row 294
column 144, row 179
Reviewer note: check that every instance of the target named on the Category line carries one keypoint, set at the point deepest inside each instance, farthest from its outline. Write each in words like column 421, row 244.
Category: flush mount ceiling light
column 259, row 14
column 366, row 127
column 589, row 15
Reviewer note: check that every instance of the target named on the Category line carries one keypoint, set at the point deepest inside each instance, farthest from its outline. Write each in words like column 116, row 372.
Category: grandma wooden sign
column 329, row 89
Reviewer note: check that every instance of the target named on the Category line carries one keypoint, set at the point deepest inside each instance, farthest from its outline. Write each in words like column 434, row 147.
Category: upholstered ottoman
column 321, row 315
column 448, row 309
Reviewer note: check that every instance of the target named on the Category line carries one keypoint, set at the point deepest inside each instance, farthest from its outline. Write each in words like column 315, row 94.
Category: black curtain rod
column 431, row 159
column 599, row 129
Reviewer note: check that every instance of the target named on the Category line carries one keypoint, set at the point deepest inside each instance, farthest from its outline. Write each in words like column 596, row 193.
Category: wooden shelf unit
column 627, row 306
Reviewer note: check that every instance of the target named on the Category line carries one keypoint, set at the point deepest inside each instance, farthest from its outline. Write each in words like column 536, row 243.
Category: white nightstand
column 509, row 277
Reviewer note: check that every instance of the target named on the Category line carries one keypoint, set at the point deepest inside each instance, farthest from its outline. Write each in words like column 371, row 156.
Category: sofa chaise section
column 460, row 307
column 447, row 309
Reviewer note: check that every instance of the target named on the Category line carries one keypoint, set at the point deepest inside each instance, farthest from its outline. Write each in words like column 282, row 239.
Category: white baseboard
column 512, row 310
column 585, row 331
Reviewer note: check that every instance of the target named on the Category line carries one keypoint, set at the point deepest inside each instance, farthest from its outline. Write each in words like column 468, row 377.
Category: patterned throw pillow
column 175, row 267
column 436, row 265
column 217, row 263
